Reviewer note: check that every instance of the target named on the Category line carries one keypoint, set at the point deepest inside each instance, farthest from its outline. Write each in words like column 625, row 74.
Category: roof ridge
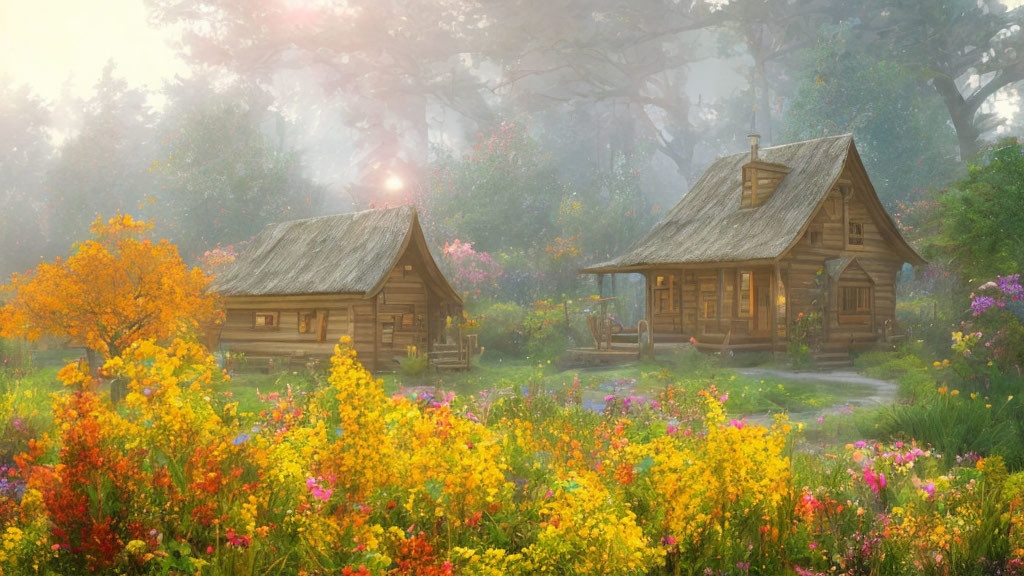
column 346, row 214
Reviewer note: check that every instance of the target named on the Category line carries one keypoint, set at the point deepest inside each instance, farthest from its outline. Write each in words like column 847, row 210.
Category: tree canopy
column 115, row 289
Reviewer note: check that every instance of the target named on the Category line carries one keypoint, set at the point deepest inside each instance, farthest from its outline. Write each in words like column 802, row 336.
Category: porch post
column 600, row 285
column 774, row 291
column 721, row 296
column 649, row 309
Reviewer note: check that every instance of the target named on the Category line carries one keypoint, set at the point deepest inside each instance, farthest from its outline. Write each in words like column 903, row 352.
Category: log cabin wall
column 300, row 325
column 402, row 312
column 829, row 236
column 310, row 325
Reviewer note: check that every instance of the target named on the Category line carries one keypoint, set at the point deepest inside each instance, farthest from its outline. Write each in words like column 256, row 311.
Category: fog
column 546, row 134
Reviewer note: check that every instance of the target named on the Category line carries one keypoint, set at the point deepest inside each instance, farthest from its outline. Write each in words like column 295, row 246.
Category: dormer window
column 760, row 178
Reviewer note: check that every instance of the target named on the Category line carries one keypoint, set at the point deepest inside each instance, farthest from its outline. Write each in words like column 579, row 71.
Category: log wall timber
column 828, row 236
column 381, row 327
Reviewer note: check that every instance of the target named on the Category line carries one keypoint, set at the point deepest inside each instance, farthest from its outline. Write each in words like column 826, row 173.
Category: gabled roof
column 708, row 225
column 340, row 254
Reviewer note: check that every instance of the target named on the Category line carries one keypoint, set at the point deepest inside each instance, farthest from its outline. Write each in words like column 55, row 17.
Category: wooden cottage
column 302, row 285
column 764, row 236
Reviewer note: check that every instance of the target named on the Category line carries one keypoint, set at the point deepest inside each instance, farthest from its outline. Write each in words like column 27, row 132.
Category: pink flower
column 723, row 398
column 737, row 424
column 318, row 491
column 929, row 489
column 874, row 480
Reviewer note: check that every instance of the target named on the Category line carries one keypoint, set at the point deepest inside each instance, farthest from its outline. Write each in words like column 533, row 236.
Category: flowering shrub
column 346, row 480
column 471, row 270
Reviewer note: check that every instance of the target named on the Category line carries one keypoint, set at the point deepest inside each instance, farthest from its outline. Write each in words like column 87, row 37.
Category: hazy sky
column 45, row 43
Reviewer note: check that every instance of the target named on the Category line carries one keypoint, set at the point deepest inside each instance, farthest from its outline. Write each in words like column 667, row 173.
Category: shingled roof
column 708, row 225
column 340, row 254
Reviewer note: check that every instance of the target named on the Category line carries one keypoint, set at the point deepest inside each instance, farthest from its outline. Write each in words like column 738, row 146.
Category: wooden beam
column 774, row 303
column 721, row 297
column 376, row 333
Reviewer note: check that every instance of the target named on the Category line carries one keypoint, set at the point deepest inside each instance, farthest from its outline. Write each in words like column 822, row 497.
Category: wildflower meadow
column 344, row 479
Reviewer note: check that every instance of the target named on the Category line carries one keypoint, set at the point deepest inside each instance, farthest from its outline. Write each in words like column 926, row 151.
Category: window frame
column 665, row 283
column 861, row 298
column 855, row 239
column 273, row 314
column 311, row 326
column 816, row 236
column 749, row 300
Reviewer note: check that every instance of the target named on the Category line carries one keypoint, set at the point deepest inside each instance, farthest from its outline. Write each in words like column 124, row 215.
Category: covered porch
column 734, row 306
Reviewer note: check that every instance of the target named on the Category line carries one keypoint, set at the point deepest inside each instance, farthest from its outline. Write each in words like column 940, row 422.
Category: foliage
column 101, row 169
column 898, row 122
column 470, row 270
column 115, row 289
column 346, row 480
column 979, row 233
column 221, row 175
column 803, row 336
column 501, row 327
column 414, row 364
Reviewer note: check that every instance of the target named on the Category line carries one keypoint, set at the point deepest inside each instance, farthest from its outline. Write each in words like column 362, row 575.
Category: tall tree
column 774, row 34
column 897, row 122
column 226, row 168
column 102, row 168
column 25, row 155
column 392, row 62
column 631, row 58
column 967, row 50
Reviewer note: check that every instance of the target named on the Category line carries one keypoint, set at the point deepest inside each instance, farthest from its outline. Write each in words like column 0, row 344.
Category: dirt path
column 864, row 392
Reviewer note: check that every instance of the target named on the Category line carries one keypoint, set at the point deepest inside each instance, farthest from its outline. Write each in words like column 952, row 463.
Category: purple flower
column 147, row 391
column 981, row 304
column 240, row 439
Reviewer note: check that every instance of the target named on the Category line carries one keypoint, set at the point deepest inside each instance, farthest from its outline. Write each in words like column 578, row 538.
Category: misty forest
column 511, row 287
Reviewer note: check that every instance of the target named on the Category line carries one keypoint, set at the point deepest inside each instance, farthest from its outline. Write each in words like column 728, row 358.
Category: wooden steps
column 446, row 357
column 833, row 360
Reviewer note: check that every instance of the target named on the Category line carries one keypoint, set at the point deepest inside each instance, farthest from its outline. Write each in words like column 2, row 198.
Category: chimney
column 754, row 138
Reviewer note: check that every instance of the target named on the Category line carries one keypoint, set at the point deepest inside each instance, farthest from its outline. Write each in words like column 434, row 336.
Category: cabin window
column 745, row 294
column 387, row 333
column 816, row 236
column 666, row 296
column 406, row 270
column 856, row 235
column 265, row 320
column 855, row 300
column 307, row 323
column 408, row 320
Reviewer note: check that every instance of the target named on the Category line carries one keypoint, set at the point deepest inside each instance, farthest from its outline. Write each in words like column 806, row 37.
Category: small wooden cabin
column 301, row 285
column 764, row 236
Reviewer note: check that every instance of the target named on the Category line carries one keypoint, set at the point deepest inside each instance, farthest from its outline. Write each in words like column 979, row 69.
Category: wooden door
column 762, row 309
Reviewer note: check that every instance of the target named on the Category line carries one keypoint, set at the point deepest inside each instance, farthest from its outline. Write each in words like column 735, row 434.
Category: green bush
column 501, row 327
column 413, row 365
column 955, row 425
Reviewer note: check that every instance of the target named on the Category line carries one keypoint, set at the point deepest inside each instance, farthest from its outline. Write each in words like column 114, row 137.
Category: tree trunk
column 94, row 362
column 961, row 114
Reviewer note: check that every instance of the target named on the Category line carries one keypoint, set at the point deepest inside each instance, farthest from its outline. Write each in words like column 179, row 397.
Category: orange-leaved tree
column 115, row 289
